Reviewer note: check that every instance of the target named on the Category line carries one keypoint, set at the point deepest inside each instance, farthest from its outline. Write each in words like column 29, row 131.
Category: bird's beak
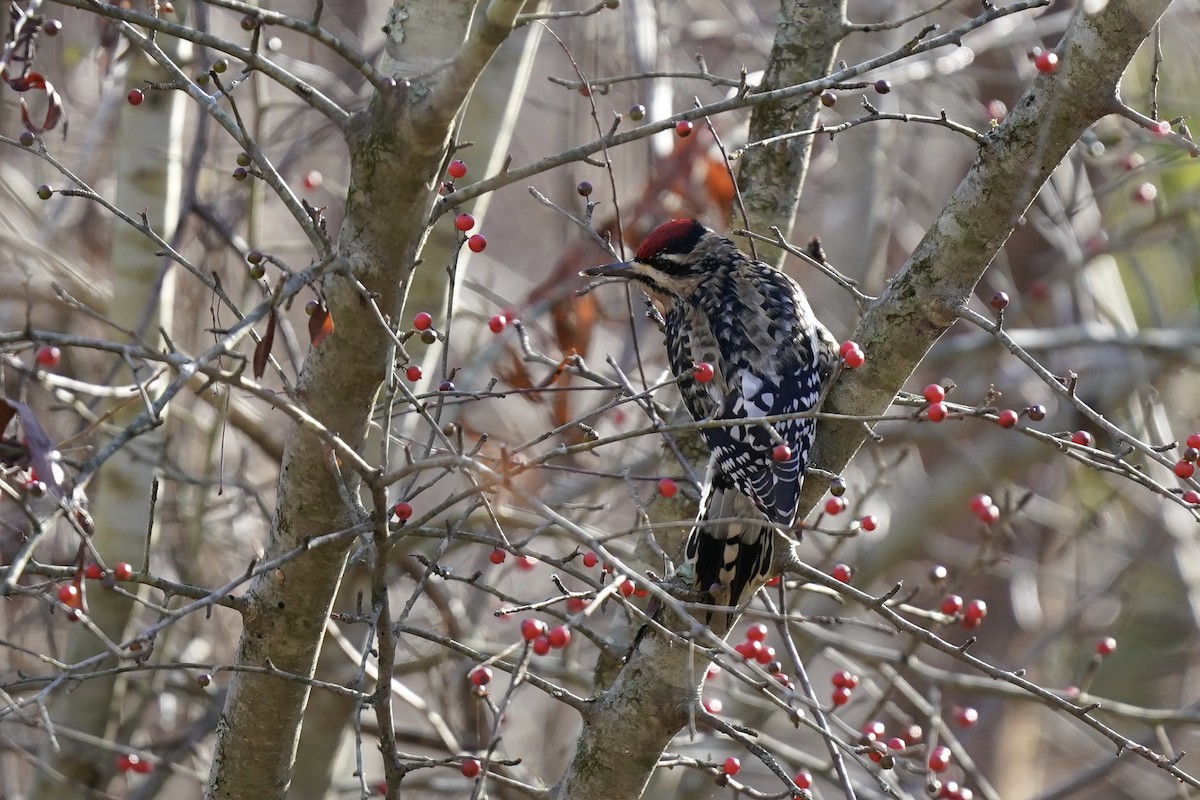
column 620, row 269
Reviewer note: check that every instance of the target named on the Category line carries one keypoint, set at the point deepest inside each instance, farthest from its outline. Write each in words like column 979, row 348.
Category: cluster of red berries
column 950, row 790
column 837, row 504
column 544, row 639
column 981, row 506
column 464, row 222
column 755, row 648
column 934, row 394
column 71, row 595
column 1186, row 466
column 844, row 683
column 883, row 749
column 852, row 355
column 969, row 614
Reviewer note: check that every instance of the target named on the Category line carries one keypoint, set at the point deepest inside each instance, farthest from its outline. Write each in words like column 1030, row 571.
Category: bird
column 743, row 343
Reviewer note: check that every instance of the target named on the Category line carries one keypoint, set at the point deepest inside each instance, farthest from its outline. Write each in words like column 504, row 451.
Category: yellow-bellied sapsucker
column 744, row 344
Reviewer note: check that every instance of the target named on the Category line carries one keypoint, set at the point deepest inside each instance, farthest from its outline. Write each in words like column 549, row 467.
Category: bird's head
column 670, row 261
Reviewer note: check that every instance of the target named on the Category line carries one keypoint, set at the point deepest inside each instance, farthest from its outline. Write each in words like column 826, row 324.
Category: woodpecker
column 769, row 355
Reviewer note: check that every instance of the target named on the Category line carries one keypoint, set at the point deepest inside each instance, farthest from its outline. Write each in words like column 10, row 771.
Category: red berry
column 464, row 222
column 952, row 604
column 802, row 779
column 559, row 636
column 913, row 734
column 526, row 563
column 497, row 323
column 713, row 705
column 1082, row 438
column 841, row 696
column 590, row 559
column 781, row 452
column 142, row 766
column 873, row 730
column 713, row 671
column 125, row 762
column 423, row 321
column 757, row 632
column 68, row 595
column 936, row 412
column 999, row 301
column 846, row 347
column 854, row 358
column 774, row 580
column 1185, row 469
column 934, row 393
column 135, row 97
column 667, row 487
column 731, row 766
column 1193, row 440
column 413, row 372
column 123, row 571
column 532, row 628
column 683, row 128
column 979, row 503
column 1007, row 418
column 470, row 767
column 995, row 109
column 1046, row 61
column 402, row 510
column 480, row 676
column 628, row 587
column 869, row 523
column 845, row 679
column 939, row 758
column 974, row 613
column 965, row 716
column 477, row 243
column 1145, row 193
column 93, row 571
column 541, row 645
column 989, row 515
column 1106, row 646
column 896, row 743
column 766, row 655
column 456, row 169
column 1161, row 128
column 48, row 356
column 843, row 573
column 703, row 372
column 749, row 649
column 835, row 505
column 312, row 180
column 576, row 604
column 1191, row 496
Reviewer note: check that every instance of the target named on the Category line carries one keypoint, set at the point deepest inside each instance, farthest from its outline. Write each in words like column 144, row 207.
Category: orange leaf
column 320, row 325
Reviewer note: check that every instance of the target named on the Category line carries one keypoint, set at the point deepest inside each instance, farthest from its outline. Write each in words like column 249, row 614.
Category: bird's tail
column 731, row 549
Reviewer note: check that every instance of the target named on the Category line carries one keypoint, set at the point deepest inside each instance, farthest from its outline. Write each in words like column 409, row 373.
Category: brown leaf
column 320, row 325
column 43, row 455
column 262, row 350
column 54, row 104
